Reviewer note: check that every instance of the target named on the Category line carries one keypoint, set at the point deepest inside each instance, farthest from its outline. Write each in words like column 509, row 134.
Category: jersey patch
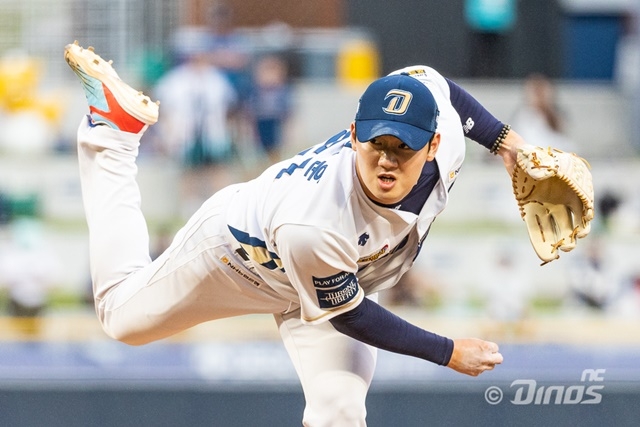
column 373, row 257
column 416, row 72
column 336, row 290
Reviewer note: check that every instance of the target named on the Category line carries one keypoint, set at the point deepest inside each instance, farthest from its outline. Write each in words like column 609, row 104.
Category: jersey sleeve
column 478, row 123
column 374, row 325
column 321, row 266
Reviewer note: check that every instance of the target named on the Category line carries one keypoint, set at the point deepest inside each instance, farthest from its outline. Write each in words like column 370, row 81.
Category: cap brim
column 414, row 137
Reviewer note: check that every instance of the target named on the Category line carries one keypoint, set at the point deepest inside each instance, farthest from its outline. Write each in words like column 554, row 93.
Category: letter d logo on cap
column 399, row 102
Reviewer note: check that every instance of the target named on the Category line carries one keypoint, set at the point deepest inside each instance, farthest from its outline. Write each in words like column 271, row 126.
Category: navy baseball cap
column 397, row 105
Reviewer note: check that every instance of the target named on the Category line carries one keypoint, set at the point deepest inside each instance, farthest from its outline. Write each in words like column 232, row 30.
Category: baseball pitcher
column 314, row 238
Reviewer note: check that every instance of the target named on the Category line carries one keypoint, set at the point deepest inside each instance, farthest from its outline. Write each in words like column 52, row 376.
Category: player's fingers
column 492, row 360
column 485, row 367
column 496, row 358
column 491, row 347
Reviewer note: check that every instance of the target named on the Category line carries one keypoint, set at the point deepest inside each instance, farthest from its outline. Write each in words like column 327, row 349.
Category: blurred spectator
column 196, row 102
column 28, row 269
column 228, row 49
column 539, row 119
column 270, row 103
column 489, row 22
column 508, row 297
column 592, row 282
column 607, row 205
column 627, row 303
column 627, row 69
column 231, row 53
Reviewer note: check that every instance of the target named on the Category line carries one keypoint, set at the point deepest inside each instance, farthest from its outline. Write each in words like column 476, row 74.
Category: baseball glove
column 554, row 191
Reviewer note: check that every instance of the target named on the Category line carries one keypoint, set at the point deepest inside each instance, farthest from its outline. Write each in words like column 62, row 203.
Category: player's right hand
column 473, row 356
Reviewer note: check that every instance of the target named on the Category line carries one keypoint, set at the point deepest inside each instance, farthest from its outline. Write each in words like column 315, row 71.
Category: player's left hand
column 473, row 356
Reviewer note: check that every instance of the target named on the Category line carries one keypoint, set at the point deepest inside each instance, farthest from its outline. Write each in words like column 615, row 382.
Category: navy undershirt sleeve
column 478, row 124
column 372, row 324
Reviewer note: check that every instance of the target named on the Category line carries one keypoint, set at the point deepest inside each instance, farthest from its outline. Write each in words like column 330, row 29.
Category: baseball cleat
column 111, row 101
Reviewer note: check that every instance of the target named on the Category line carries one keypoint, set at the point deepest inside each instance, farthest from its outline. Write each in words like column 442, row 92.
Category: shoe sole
column 134, row 102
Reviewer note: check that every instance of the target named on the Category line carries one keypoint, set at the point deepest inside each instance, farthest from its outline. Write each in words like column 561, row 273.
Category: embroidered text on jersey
column 315, row 170
column 375, row 256
column 336, row 290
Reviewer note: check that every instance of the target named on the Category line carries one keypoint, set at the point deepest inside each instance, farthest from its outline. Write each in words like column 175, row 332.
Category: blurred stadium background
column 478, row 275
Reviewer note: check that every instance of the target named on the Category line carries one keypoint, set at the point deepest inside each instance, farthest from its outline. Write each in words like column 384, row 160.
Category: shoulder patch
column 336, row 290
column 417, row 71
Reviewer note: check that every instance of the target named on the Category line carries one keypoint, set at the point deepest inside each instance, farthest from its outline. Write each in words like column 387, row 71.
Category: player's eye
column 375, row 142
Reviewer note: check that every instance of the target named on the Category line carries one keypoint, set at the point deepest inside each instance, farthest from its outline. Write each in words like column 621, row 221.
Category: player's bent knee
column 126, row 333
column 126, row 329
column 126, row 337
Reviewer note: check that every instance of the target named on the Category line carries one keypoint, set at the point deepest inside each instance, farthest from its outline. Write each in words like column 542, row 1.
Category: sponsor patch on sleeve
column 336, row 290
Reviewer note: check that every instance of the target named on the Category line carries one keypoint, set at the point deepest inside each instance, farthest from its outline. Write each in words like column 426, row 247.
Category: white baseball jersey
column 313, row 235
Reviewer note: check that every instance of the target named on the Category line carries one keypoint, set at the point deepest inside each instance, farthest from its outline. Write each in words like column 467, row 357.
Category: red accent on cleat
column 116, row 114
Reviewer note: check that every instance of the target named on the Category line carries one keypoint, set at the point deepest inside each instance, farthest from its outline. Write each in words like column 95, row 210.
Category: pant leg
column 195, row 280
column 118, row 235
column 335, row 371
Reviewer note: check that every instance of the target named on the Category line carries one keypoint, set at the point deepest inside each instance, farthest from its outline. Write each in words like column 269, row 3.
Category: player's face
column 387, row 168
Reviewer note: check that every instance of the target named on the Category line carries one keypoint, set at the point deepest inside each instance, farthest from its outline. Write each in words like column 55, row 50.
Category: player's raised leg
column 139, row 300
column 108, row 142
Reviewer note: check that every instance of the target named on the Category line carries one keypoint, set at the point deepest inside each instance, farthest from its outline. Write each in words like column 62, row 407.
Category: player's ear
column 433, row 146
column 353, row 135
